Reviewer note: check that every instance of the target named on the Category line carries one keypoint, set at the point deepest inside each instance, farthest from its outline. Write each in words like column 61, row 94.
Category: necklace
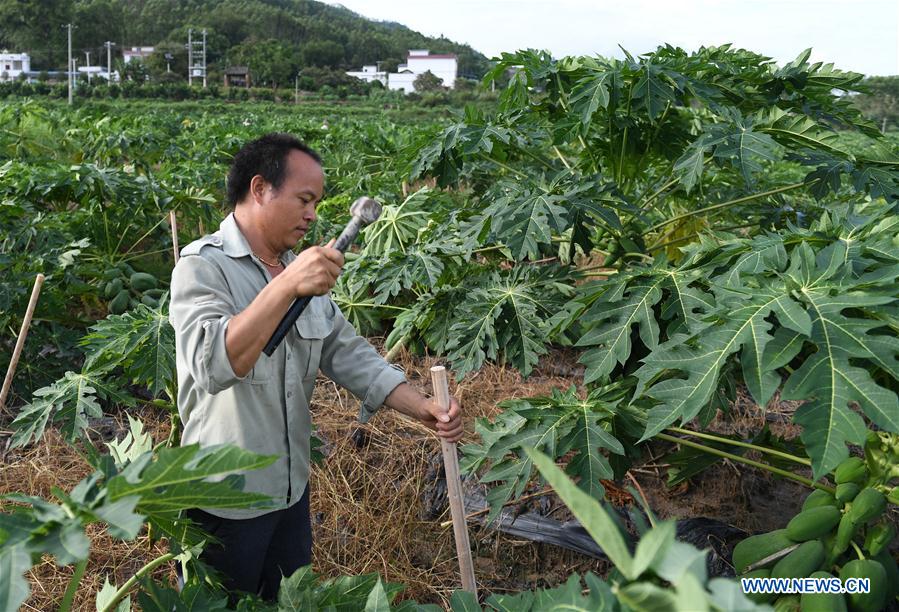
column 277, row 264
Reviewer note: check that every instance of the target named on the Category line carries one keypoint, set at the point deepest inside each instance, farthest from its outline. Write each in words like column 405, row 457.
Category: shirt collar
column 235, row 244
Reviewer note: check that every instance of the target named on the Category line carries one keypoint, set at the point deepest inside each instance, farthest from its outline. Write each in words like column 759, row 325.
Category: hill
column 277, row 38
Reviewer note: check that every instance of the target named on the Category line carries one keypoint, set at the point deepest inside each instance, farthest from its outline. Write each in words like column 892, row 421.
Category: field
column 667, row 293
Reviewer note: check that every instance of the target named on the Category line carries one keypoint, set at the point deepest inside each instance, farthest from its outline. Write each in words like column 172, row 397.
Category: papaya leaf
column 141, row 341
column 745, row 324
column 526, row 220
column 590, row 94
column 69, row 402
column 177, row 479
column 14, row 589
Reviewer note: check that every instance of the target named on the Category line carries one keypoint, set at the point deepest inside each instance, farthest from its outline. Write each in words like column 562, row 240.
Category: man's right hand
column 314, row 271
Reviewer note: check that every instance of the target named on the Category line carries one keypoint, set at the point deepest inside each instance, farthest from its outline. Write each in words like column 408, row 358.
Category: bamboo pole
column 454, row 487
column 20, row 341
column 174, row 223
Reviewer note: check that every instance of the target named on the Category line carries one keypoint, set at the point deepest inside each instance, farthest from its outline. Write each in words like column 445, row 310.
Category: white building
column 419, row 61
column 369, row 74
column 12, row 65
column 138, row 53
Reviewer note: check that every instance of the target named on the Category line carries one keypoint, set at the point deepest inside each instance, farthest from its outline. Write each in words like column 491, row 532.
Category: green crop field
column 686, row 227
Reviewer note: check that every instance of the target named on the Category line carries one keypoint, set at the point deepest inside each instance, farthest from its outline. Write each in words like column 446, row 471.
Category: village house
column 419, row 61
column 137, row 53
column 13, row 65
column 369, row 74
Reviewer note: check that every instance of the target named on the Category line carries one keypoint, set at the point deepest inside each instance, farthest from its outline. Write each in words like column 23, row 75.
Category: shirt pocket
column 263, row 370
column 307, row 348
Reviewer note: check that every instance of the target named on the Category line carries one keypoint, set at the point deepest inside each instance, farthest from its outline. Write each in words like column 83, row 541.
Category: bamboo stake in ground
column 20, row 342
column 174, row 223
column 454, row 487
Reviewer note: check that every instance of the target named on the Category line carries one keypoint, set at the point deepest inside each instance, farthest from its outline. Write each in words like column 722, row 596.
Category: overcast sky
column 858, row 35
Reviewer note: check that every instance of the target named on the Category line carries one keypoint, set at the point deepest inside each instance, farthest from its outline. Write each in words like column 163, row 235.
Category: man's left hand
column 448, row 425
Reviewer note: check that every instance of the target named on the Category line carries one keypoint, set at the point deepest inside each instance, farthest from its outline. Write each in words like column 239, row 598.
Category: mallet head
column 366, row 210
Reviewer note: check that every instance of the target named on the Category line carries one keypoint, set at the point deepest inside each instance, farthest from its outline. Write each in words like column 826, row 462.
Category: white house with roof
column 369, row 74
column 13, row 65
column 419, row 61
column 137, row 53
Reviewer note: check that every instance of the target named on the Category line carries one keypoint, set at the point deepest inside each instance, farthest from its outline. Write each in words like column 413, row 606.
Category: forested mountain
column 276, row 37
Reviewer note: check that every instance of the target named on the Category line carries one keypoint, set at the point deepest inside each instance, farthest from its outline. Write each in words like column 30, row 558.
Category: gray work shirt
column 266, row 411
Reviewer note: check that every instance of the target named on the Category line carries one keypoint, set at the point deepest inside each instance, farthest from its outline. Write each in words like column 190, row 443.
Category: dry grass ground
column 366, row 496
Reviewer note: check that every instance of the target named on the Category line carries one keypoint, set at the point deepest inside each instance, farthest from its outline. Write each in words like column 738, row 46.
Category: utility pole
column 190, row 58
column 69, row 27
column 108, row 45
column 87, row 55
column 204, row 58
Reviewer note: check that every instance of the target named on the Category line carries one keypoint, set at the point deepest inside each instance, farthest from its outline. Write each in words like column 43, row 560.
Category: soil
column 367, row 508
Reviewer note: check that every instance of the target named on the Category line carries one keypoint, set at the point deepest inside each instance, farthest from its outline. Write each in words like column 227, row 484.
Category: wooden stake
column 20, row 341
column 174, row 223
column 454, row 487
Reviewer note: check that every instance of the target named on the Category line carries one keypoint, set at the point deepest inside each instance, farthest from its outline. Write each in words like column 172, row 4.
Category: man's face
column 288, row 211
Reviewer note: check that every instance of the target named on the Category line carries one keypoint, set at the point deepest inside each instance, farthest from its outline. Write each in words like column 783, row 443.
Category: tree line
column 276, row 38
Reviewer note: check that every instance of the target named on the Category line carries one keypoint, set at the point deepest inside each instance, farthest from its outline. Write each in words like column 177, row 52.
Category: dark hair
column 265, row 156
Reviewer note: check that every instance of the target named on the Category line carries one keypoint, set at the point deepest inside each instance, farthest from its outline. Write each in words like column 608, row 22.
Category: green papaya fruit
column 892, row 570
column 819, row 497
column 119, row 303
column 813, row 523
column 112, row 288
column 155, row 293
column 149, row 301
column 141, row 281
column 822, row 602
column 851, row 470
column 801, row 562
column 111, row 274
column 878, row 537
column 875, row 599
column 845, row 532
column 867, row 505
column 847, row 491
column 759, row 597
column 787, row 603
column 755, row 548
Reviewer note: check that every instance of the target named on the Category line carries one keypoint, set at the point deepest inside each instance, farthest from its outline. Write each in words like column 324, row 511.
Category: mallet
column 365, row 211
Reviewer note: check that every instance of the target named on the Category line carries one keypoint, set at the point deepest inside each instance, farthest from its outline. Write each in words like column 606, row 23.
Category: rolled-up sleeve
column 352, row 362
column 200, row 310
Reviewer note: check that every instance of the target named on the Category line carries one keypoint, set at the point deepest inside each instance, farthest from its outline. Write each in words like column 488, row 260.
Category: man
column 229, row 291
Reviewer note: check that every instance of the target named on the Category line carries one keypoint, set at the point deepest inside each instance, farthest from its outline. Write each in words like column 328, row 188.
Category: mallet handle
column 20, row 341
column 346, row 238
column 454, row 487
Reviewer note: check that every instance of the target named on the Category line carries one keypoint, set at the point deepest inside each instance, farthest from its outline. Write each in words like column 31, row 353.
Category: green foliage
column 318, row 33
column 880, row 100
column 141, row 342
column 427, row 81
column 148, row 488
column 818, row 300
column 134, row 348
column 554, row 425
column 661, row 574
column 664, row 135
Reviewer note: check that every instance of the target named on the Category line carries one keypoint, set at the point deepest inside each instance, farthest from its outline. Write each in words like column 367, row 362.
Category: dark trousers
column 253, row 554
